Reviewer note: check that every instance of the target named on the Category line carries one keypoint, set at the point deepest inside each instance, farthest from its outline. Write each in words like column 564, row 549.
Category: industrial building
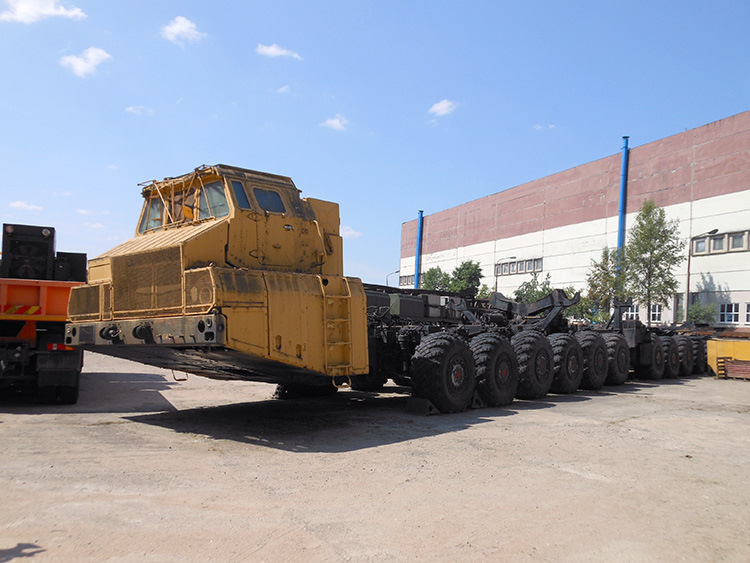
column 558, row 224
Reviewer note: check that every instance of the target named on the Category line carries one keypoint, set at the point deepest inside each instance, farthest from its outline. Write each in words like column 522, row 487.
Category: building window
column 521, row 267
column 747, row 313
column 512, row 267
column 405, row 281
column 655, row 315
column 529, row 265
column 506, row 269
column 729, row 313
column 631, row 313
column 737, row 241
column 537, row 264
column 717, row 244
column 699, row 246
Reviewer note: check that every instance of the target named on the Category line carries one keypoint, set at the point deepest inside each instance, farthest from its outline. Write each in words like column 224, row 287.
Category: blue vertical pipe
column 418, row 257
column 623, row 194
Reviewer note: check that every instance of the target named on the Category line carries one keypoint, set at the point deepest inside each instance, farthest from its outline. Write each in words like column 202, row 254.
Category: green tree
column 435, row 278
column 466, row 277
column 702, row 313
column 653, row 250
column 603, row 283
column 484, row 292
column 533, row 290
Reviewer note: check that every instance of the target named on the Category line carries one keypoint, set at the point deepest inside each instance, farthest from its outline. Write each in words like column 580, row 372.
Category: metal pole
column 418, row 257
column 623, row 195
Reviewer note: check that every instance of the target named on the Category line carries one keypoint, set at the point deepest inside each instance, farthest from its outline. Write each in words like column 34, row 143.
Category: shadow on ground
column 346, row 421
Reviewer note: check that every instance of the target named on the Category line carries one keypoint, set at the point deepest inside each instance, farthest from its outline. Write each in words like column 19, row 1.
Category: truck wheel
column 687, row 358
column 442, row 370
column 655, row 367
column 568, row 363
column 69, row 394
column 618, row 356
column 368, row 382
column 700, row 354
column 496, row 369
column 595, row 359
column 535, row 364
column 671, row 357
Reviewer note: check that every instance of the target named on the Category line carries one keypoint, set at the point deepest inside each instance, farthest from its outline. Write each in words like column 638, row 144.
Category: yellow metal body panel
column 727, row 348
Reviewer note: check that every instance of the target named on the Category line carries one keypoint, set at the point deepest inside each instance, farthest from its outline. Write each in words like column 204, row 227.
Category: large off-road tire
column 618, row 358
column 655, row 368
column 535, row 364
column 671, row 357
column 442, row 370
column 687, row 357
column 700, row 354
column 496, row 369
column 567, row 358
column 368, row 382
column 595, row 359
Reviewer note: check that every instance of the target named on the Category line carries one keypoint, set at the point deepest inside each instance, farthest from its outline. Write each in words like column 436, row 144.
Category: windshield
column 180, row 204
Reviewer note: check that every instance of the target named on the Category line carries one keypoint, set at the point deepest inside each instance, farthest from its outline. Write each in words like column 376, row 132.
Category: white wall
column 567, row 252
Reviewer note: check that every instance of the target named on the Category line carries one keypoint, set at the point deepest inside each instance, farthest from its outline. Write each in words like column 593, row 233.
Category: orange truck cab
column 35, row 284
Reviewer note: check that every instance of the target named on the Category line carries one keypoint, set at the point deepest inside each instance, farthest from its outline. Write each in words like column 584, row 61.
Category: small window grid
column 747, row 313
column 405, row 281
column 518, row 267
column 737, row 241
column 721, row 243
column 655, row 314
column 631, row 313
column 729, row 313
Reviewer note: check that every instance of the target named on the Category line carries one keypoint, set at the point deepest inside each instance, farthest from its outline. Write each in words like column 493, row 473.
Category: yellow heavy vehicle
column 232, row 275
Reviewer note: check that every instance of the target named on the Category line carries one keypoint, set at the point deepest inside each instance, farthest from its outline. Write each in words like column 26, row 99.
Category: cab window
column 240, row 195
column 269, row 200
column 213, row 201
column 152, row 215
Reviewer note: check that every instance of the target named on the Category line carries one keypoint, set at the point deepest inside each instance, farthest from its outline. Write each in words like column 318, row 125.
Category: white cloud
column 443, row 107
column 181, row 28
column 95, row 226
column 138, row 110
column 348, row 232
column 540, row 127
column 339, row 122
column 276, row 51
column 30, row 11
column 25, row 206
column 283, row 89
column 85, row 211
column 87, row 62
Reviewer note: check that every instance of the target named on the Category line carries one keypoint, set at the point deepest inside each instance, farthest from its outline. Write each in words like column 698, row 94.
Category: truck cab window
column 213, row 201
column 152, row 215
column 240, row 195
column 269, row 200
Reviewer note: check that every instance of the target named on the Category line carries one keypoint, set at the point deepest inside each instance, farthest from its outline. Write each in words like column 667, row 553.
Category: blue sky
column 384, row 107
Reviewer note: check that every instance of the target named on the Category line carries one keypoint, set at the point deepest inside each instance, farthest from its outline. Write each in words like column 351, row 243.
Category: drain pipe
column 623, row 195
column 418, row 257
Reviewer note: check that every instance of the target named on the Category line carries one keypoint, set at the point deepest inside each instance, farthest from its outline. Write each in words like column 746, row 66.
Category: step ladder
column 337, row 325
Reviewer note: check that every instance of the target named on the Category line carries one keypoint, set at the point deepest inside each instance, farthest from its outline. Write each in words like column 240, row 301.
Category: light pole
column 690, row 253
column 389, row 275
column 496, row 264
